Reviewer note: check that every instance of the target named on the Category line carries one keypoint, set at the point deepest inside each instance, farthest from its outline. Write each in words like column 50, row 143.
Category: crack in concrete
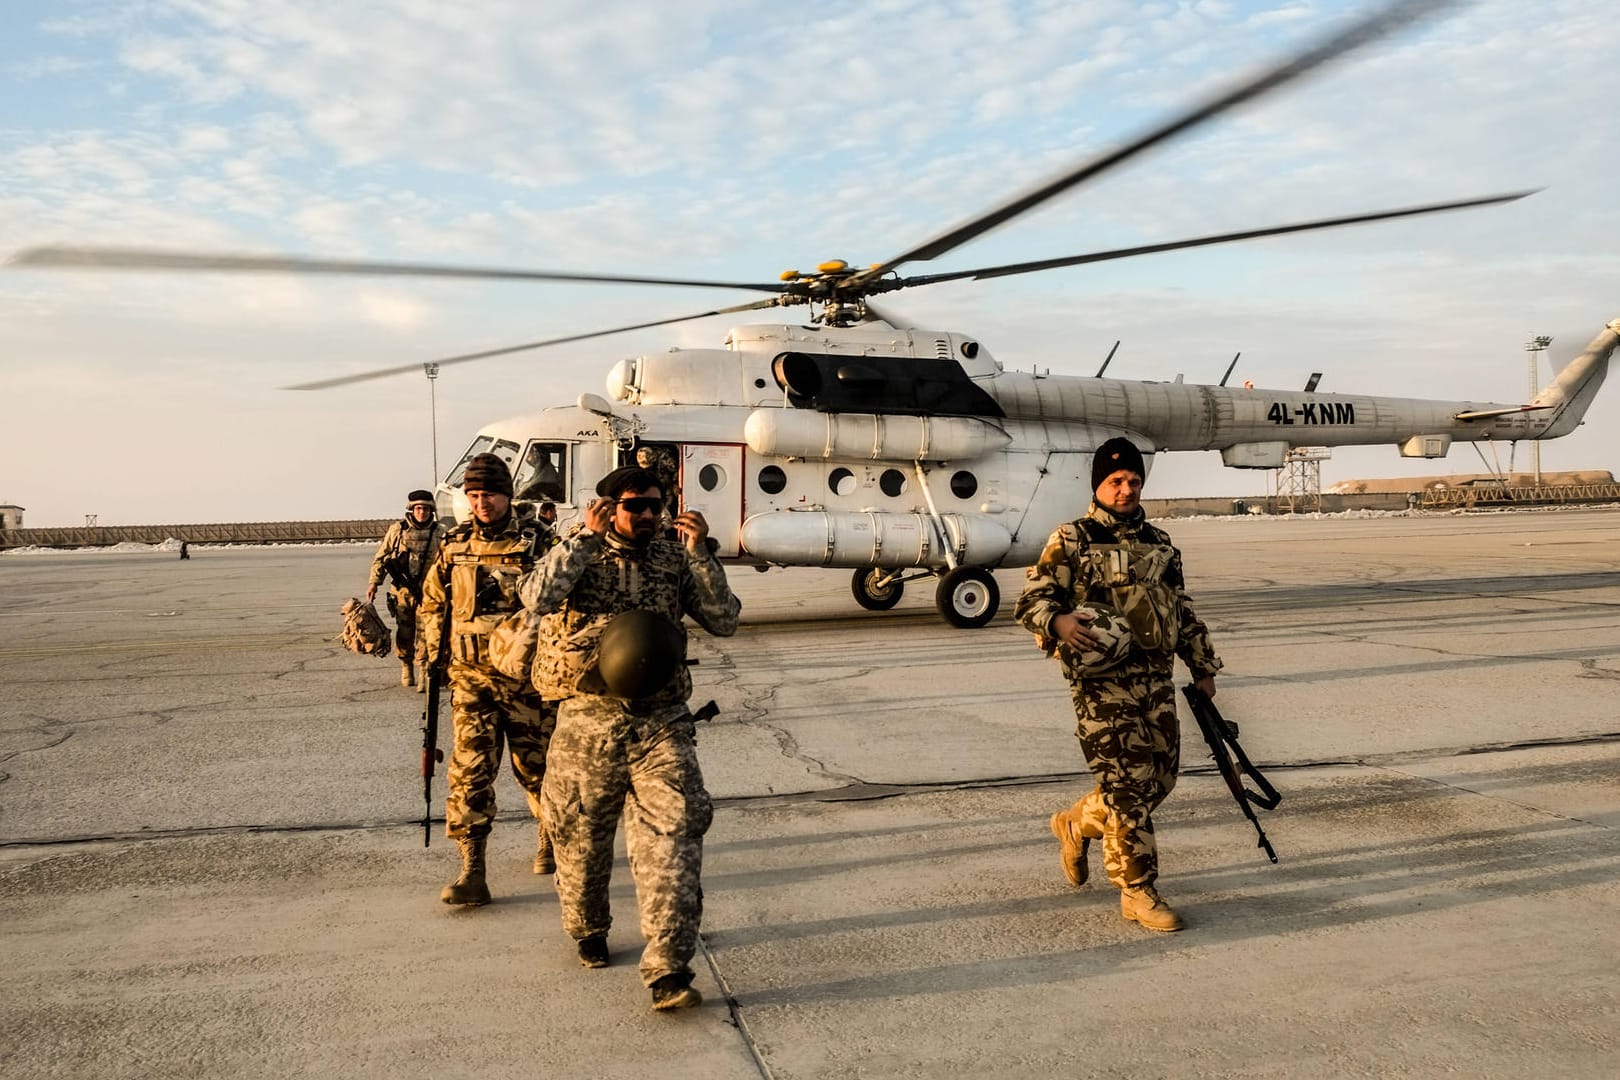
column 754, row 708
column 43, row 729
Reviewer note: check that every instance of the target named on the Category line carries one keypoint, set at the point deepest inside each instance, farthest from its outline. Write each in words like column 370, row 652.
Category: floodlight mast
column 432, row 373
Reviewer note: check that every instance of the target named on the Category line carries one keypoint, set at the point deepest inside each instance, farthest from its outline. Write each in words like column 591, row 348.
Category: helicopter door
column 711, row 483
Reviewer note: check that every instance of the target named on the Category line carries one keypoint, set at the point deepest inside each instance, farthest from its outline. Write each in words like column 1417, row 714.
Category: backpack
column 363, row 629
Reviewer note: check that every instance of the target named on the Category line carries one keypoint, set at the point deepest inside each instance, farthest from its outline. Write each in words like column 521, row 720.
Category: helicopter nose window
column 841, row 482
column 711, row 478
column 542, row 476
column 892, row 483
column 964, row 484
column 772, row 480
column 480, row 444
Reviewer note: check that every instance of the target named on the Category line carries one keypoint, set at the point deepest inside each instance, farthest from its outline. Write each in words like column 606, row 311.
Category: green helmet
column 639, row 654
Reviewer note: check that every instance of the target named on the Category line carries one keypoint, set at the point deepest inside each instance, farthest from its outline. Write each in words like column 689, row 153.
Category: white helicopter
column 902, row 453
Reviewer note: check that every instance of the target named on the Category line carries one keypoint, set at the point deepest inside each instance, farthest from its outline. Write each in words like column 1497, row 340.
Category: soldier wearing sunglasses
column 631, row 756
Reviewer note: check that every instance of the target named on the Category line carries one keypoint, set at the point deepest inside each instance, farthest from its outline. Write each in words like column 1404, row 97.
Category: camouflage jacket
column 471, row 585
column 406, row 551
column 1073, row 570
column 587, row 578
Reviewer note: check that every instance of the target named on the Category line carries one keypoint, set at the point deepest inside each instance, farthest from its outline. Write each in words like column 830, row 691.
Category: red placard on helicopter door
column 712, row 484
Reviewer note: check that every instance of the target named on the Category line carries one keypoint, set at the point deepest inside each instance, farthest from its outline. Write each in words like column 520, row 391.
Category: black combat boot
column 593, row 951
column 469, row 889
column 675, row 992
column 543, row 861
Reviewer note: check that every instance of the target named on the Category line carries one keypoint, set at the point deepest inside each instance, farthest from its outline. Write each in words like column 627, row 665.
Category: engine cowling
column 872, row 538
column 870, row 436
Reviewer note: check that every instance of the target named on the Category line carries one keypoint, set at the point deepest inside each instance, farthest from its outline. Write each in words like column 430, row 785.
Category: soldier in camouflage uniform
column 470, row 587
column 407, row 550
column 1126, row 714
column 636, row 758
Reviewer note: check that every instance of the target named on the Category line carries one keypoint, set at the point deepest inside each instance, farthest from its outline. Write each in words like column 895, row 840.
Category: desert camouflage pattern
column 1125, row 718
column 405, row 553
column 586, row 579
column 363, row 630
column 1132, row 742
column 470, row 586
column 610, row 757
column 1074, row 569
column 606, row 761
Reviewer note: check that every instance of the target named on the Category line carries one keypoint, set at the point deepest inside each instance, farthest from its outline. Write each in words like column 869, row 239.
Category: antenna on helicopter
column 1108, row 361
column 1310, row 384
column 1229, row 368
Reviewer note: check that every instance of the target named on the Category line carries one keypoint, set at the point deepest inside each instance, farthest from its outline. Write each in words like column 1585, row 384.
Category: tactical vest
column 1132, row 577
column 483, row 585
column 414, row 545
column 620, row 578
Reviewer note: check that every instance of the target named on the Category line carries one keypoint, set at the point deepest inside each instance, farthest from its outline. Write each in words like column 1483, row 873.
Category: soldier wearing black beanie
column 1112, row 558
column 1116, row 454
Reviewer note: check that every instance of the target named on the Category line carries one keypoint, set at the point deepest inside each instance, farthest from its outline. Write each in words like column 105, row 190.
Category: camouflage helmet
column 638, row 655
column 1108, row 625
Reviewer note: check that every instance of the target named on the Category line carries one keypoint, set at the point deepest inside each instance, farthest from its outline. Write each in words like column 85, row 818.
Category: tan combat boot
column 469, row 889
column 1073, row 855
column 543, row 861
column 1145, row 907
column 407, row 673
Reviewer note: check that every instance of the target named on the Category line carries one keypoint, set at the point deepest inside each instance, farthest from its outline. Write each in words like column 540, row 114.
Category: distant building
column 10, row 516
column 1466, row 480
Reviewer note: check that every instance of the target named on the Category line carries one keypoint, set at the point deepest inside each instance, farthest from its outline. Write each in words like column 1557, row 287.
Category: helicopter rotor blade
column 1379, row 24
column 120, row 258
column 383, row 373
column 887, row 315
column 1009, row 269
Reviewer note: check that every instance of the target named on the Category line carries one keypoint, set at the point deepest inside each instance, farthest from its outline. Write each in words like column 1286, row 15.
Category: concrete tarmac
column 211, row 856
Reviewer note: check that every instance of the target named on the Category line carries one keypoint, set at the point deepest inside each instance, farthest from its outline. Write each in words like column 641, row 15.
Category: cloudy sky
column 723, row 139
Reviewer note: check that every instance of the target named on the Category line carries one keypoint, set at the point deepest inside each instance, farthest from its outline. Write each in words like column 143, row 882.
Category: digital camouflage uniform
column 473, row 583
column 1127, row 716
column 406, row 551
column 610, row 756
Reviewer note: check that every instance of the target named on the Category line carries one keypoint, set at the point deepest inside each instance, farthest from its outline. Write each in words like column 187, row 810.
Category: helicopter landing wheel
column 876, row 589
column 968, row 597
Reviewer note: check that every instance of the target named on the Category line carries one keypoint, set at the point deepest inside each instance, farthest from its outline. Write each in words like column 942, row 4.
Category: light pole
column 1535, row 347
column 432, row 373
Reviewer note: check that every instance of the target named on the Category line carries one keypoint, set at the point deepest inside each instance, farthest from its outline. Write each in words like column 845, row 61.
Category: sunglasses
column 642, row 506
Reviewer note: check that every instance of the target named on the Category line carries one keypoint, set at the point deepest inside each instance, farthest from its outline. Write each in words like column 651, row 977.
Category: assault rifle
column 1222, row 736
column 430, row 745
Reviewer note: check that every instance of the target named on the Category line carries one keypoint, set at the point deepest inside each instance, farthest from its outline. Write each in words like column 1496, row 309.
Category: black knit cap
column 419, row 496
column 627, row 478
column 486, row 472
column 1116, row 454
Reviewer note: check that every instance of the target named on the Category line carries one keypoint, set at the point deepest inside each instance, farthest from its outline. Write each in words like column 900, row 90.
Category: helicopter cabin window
column 892, row 483
column 543, row 474
column 964, row 484
column 711, row 478
column 479, row 446
column 772, row 480
column 841, row 482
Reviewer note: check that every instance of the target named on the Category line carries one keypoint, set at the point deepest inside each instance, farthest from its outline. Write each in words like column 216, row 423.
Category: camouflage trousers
column 1132, row 742
column 607, row 762
column 490, row 710
column 402, row 608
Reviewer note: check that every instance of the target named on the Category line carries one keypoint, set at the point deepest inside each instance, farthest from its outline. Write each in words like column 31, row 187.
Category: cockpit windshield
column 505, row 450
